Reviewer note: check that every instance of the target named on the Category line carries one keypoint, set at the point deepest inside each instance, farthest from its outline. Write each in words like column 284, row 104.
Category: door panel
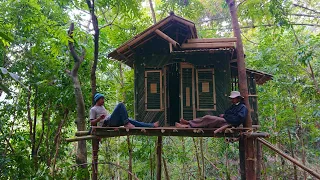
column 187, row 91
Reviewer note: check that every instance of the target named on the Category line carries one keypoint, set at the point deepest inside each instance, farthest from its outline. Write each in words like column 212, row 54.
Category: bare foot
column 129, row 125
column 182, row 121
column 156, row 124
column 178, row 125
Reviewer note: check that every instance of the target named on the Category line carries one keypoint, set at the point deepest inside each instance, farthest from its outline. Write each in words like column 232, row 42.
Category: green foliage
column 34, row 45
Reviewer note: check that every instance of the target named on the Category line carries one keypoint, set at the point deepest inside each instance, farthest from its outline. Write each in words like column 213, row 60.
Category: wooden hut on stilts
column 178, row 75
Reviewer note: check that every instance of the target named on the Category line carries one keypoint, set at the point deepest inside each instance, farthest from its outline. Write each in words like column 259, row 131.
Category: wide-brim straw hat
column 235, row 94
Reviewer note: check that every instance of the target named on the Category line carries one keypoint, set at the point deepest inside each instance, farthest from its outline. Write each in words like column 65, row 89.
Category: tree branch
column 96, row 47
column 71, row 45
column 248, row 39
column 77, row 60
column 152, row 12
column 241, row 3
column 303, row 7
column 265, row 25
column 115, row 17
column 305, row 15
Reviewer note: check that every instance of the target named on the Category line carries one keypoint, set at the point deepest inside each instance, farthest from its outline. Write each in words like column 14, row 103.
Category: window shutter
column 153, row 90
column 206, row 93
column 187, row 90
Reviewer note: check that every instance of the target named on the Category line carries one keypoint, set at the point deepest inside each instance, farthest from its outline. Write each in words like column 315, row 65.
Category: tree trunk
column 57, row 141
column 122, row 83
column 197, row 156
column 313, row 78
column 152, row 12
column 250, row 156
column 95, row 25
column 292, row 154
column 81, row 122
column 202, row 158
column 130, row 157
column 159, row 153
column 165, row 169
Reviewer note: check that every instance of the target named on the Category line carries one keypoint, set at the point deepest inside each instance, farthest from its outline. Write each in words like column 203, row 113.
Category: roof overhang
column 125, row 51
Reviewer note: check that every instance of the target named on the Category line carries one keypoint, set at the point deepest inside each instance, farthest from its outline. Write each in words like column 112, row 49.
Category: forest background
column 39, row 107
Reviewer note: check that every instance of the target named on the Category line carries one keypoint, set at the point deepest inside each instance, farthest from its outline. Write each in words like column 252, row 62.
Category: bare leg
column 182, row 121
column 178, row 125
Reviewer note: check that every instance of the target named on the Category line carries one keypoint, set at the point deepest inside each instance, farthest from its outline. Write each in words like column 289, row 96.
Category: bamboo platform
column 106, row 132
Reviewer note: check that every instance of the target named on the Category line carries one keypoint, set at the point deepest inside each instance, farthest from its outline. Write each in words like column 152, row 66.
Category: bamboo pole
column 294, row 161
column 212, row 40
column 207, row 45
column 130, row 157
column 81, row 138
column 242, row 158
column 95, row 149
column 159, row 153
column 167, row 38
column 82, row 133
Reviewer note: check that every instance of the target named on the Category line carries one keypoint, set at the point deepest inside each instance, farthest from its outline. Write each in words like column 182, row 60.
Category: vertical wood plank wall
column 218, row 61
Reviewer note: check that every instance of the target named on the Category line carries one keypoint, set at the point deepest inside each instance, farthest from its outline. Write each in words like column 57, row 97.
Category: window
column 206, row 93
column 153, row 90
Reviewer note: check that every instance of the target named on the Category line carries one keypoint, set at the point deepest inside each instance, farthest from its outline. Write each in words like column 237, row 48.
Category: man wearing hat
column 235, row 115
column 119, row 117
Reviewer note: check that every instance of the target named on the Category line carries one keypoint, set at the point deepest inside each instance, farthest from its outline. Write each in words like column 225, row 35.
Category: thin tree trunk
column 184, row 153
column 57, row 141
column 315, row 82
column 159, row 154
column 243, row 86
column 34, row 131
column 151, row 164
column 42, row 130
column 165, row 169
column 95, row 25
column 197, row 156
column 122, row 83
column 152, row 12
column 292, row 154
column 48, row 154
column 202, row 158
column 130, row 157
column 227, row 164
column 313, row 78
column 81, row 122
column 303, row 158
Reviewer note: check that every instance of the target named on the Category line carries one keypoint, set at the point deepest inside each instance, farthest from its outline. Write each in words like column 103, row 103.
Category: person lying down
column 234, row 115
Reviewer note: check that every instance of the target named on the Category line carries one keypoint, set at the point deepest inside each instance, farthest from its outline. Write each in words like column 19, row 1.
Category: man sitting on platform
column 234, row 116
column 119, row 116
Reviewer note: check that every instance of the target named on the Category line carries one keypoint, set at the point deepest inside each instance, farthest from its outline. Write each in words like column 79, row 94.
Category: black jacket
column 236, row 114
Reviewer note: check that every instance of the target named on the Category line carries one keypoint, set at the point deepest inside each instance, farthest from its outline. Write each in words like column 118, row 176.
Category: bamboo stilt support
column 82, row 133
column 294, row 161
column 95, row 149
column 242, row 158
column 81, row 138
column 159, row 153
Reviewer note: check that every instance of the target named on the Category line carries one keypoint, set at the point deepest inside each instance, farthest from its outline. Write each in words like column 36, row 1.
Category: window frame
column 213, row 88
column 146, row 90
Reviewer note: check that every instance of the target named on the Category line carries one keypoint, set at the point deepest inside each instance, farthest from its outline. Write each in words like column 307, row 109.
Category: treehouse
column 177, row 75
